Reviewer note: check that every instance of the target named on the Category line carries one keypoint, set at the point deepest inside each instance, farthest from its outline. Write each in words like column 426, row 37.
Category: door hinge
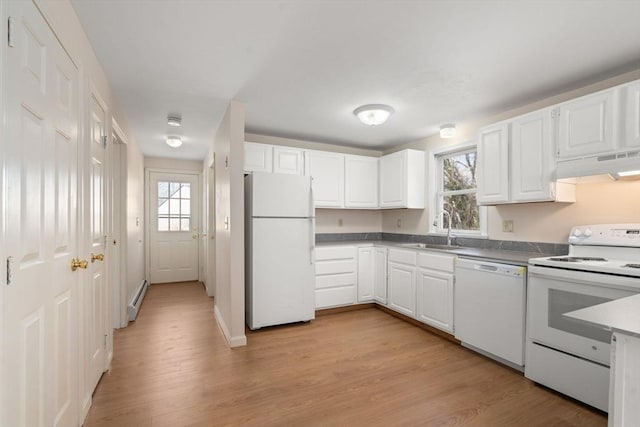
column 555, row 113
column 105, row 341
column 10, row 33
column 9, row 268
column 104, row 141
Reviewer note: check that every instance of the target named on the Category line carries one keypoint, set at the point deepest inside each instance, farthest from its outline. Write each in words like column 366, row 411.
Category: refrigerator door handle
column 313, row 241
column 312, row 235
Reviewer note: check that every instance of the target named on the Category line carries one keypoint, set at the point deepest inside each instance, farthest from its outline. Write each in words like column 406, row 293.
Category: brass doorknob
column 98, row 257
column 76, row 264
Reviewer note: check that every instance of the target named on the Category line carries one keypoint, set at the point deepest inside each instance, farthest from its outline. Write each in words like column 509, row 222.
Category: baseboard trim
column 335, row 310
column 420, row 325
column 236, row 341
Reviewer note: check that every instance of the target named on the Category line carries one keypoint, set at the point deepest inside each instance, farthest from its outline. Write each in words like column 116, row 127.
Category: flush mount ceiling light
column 174, row 120
column 174, row 141
column 448, row 131
column 373, row 114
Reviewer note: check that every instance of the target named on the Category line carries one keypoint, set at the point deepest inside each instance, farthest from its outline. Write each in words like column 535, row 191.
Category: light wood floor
column 172, row 368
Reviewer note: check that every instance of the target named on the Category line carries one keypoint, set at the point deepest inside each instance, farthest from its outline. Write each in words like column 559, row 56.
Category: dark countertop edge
column 519, row 258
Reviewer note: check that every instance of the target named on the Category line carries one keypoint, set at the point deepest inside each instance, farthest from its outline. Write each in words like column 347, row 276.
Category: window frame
column 435, row 185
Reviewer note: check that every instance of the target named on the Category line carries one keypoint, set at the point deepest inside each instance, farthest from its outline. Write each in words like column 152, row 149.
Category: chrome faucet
column 444, row 211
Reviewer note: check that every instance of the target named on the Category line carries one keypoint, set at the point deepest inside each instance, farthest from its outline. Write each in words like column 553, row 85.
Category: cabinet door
column 327, row 171
column 435, row 299
column 587, row 125
column 632, row 115
column 402, row 289
column 532, row 157
column 393, row 176
column 258, row 157
column 492, row 174
column 380, row 275
column 361, row 182
column 288, row 160
column 366, row 273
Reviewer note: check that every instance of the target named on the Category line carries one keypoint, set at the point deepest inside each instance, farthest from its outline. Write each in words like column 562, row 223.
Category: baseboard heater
column 136, row 301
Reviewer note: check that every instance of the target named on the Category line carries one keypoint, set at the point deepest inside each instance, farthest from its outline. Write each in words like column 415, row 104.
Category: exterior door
column 95, row 300
column 40, row 186
column 173, row 227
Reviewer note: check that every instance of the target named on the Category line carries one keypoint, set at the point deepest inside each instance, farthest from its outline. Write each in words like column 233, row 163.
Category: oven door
column 553, row 292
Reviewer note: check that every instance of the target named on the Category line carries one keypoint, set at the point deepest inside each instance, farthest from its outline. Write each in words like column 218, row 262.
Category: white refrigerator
column 279, row 249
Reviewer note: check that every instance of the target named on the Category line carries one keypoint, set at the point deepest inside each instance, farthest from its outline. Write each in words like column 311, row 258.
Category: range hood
column 599, row 165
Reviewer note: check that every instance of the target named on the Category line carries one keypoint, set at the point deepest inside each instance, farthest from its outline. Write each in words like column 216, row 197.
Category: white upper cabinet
column 588, row 125
column 258, row 157
column 516, row 162
column 492, row 174
column 361, row 182
column 532, row 157
column 402, row 180
column 327, row 171
column 632, row 115
column 288, row 160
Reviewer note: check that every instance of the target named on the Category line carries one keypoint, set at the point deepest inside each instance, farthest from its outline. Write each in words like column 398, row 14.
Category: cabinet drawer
column 334, row 297
column 436, row 261
column 336, row 267
column 402, row 256
column 335, row 252
column 335, row 280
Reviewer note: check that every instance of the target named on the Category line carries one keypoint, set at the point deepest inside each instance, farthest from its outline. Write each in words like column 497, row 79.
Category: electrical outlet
column 507, row 226
column 339, row 222
column 399, row 223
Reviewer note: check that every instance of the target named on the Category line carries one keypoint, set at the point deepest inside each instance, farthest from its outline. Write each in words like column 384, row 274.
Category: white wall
column 135, row 221
column 228, row 147
column 173, row 164
column 613, row 202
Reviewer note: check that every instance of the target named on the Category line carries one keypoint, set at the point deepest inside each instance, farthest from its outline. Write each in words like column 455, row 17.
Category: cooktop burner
column 576, row 258
column 632, row 265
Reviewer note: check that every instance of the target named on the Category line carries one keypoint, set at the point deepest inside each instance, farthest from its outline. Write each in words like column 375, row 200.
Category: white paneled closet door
column 94, row 302
column 40, row 163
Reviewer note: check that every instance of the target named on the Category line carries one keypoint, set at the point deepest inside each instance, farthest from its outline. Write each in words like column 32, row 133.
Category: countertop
column 621, row 315
column 495, row 255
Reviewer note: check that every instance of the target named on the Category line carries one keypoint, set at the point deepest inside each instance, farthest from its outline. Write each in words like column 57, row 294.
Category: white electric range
column 565, row 354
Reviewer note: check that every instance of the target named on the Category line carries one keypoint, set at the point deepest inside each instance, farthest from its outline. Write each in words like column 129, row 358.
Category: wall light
column 174, row 141
column 174, row 121
column 373, row 114
column 448, row 131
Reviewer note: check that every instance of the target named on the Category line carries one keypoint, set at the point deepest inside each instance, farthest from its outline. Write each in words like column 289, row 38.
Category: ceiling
column 302, row 67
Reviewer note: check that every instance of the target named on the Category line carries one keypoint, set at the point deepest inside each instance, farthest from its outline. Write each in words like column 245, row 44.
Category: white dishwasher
column 489, row 307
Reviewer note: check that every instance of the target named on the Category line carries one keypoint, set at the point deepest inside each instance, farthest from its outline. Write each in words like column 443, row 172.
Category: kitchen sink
column 429, row 246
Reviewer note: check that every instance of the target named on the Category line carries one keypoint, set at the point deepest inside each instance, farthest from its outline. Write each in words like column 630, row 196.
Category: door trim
column 147, row 218
column 120, row 156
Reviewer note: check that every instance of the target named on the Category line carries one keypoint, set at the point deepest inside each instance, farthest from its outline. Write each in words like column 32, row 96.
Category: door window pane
column 174, row 206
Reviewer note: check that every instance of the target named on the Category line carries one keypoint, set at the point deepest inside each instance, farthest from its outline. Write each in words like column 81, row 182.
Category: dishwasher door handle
column 485, row 267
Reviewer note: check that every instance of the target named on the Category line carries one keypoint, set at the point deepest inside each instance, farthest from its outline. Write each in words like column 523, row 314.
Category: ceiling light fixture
column 373, row 114
column 448, row 131
column 174, row 141
column 174, row 121
column 629, row 173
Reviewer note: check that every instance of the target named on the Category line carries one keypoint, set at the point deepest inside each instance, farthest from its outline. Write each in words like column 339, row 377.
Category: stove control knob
column 587, row 232
column 577, row 232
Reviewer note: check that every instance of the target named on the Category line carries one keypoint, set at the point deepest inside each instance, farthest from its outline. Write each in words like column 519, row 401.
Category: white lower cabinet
column 402, row 281
column 366, row 274
column 380, row 275
column 336, row 268
column 435, row 290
